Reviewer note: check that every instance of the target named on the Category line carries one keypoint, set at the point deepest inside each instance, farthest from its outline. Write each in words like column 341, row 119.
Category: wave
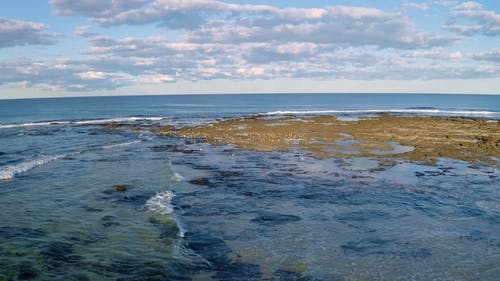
column 121, row 144
column 176, row 177
column 9, row 172
column 428, row 111
column 83, row 122
column 161, row 203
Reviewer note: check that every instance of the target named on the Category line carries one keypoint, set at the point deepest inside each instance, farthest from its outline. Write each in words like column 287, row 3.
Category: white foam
column 9, row 172
column 33, row 124
column 161, row 203
column 418, row 111
column 114, row 120
column 176, row 177
column 83, row 122
column 121, row 144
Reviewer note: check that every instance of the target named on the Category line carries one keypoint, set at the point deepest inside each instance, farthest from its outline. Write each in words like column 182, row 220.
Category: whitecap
column 409, row 111
column 121, row 144
column 9, row 172
column 122, row 119
column 176, row 177
column 8, row 126
column 82, row 122
column 161, row 203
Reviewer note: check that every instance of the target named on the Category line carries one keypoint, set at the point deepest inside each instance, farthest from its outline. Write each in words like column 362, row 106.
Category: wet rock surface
column 427, row 138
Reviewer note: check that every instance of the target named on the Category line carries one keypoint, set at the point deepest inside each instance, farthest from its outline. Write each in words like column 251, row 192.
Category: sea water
column 193, row 211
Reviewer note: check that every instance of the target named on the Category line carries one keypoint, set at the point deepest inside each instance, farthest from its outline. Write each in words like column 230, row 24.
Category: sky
column 69, row 48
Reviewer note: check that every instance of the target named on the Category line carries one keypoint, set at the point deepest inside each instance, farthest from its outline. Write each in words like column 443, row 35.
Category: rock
column 168, row 227
column 275, row 218
column 199, row 181
column 120, row 188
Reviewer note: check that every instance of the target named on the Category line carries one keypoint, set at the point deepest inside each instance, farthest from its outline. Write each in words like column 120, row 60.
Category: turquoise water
column 197, row 212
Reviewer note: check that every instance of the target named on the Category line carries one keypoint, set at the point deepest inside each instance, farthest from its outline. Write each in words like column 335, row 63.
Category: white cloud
column 493, row 56
column 469, row 19
column 20, row 33
column 94, row 8
column 470, row 5
column 157, row 79
column 419, row 6
column 215, row 21
column 91, row 75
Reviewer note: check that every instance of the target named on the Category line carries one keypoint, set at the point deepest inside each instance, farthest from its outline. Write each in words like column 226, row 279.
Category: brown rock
column 200, row 181
column 120, row 188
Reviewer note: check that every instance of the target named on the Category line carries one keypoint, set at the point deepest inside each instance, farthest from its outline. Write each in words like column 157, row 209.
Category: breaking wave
column 10, row 171
column 121, row 144
column 82, row 122
column 426, row 111
column 161, row 203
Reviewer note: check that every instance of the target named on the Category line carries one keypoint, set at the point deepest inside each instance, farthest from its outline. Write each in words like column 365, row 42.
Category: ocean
column 192, row 211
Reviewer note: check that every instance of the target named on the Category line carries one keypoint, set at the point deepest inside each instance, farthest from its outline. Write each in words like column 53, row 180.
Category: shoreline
column 422, row 139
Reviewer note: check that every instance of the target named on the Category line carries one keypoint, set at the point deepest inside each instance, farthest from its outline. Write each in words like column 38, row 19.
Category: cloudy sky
column 113, row 47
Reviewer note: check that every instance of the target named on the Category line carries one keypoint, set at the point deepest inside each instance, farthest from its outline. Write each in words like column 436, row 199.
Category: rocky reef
column 415, row 138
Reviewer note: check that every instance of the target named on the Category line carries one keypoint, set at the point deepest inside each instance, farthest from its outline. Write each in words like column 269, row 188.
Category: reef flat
column 415, row 138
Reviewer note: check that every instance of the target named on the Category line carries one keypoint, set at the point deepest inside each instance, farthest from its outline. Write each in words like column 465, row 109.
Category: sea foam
column 408, row 111
column 161, row 203
column 121, row 144
column 10, row 171
column 82, row 122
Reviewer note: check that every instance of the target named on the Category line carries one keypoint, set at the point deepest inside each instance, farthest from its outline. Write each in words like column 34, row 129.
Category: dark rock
column 371, row 245
column 165, row 148
column 226, row 174
column 110, row 223
column 274, row 219
column 362, row 216
column 286, row 275
column 91, row 209
column 418, row 253
column 27, row 271
column 238, row 271
column 168, row 227
column 136, row 198
column 199, row 181
column 209, row 247
column 120, row 188
column 58, row 254
column 108, row 218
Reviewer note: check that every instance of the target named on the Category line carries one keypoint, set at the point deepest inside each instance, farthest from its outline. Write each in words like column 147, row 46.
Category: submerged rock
column 199, row 181
column 168, row 227
column 275, row 218
column 120, row 188
column 58, row 254
column 27, row 271
column 13, row 232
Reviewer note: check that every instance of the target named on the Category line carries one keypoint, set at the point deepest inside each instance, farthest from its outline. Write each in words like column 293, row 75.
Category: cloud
column 470, row 5
column 91, row 75
column 94, row 8
column 419, row 6
column 218, row 40
column 469, row 19
column 335, row 25
column 219, row 22
column 20, row 33
column 493, row 56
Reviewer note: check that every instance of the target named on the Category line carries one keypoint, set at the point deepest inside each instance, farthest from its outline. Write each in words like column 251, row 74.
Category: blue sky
column 123, row 47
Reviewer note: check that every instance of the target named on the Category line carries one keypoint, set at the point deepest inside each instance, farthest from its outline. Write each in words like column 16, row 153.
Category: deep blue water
column 197, row 212
column 32, row 110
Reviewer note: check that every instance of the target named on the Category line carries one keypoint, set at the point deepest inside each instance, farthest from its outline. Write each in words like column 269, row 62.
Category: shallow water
column 193, row 211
